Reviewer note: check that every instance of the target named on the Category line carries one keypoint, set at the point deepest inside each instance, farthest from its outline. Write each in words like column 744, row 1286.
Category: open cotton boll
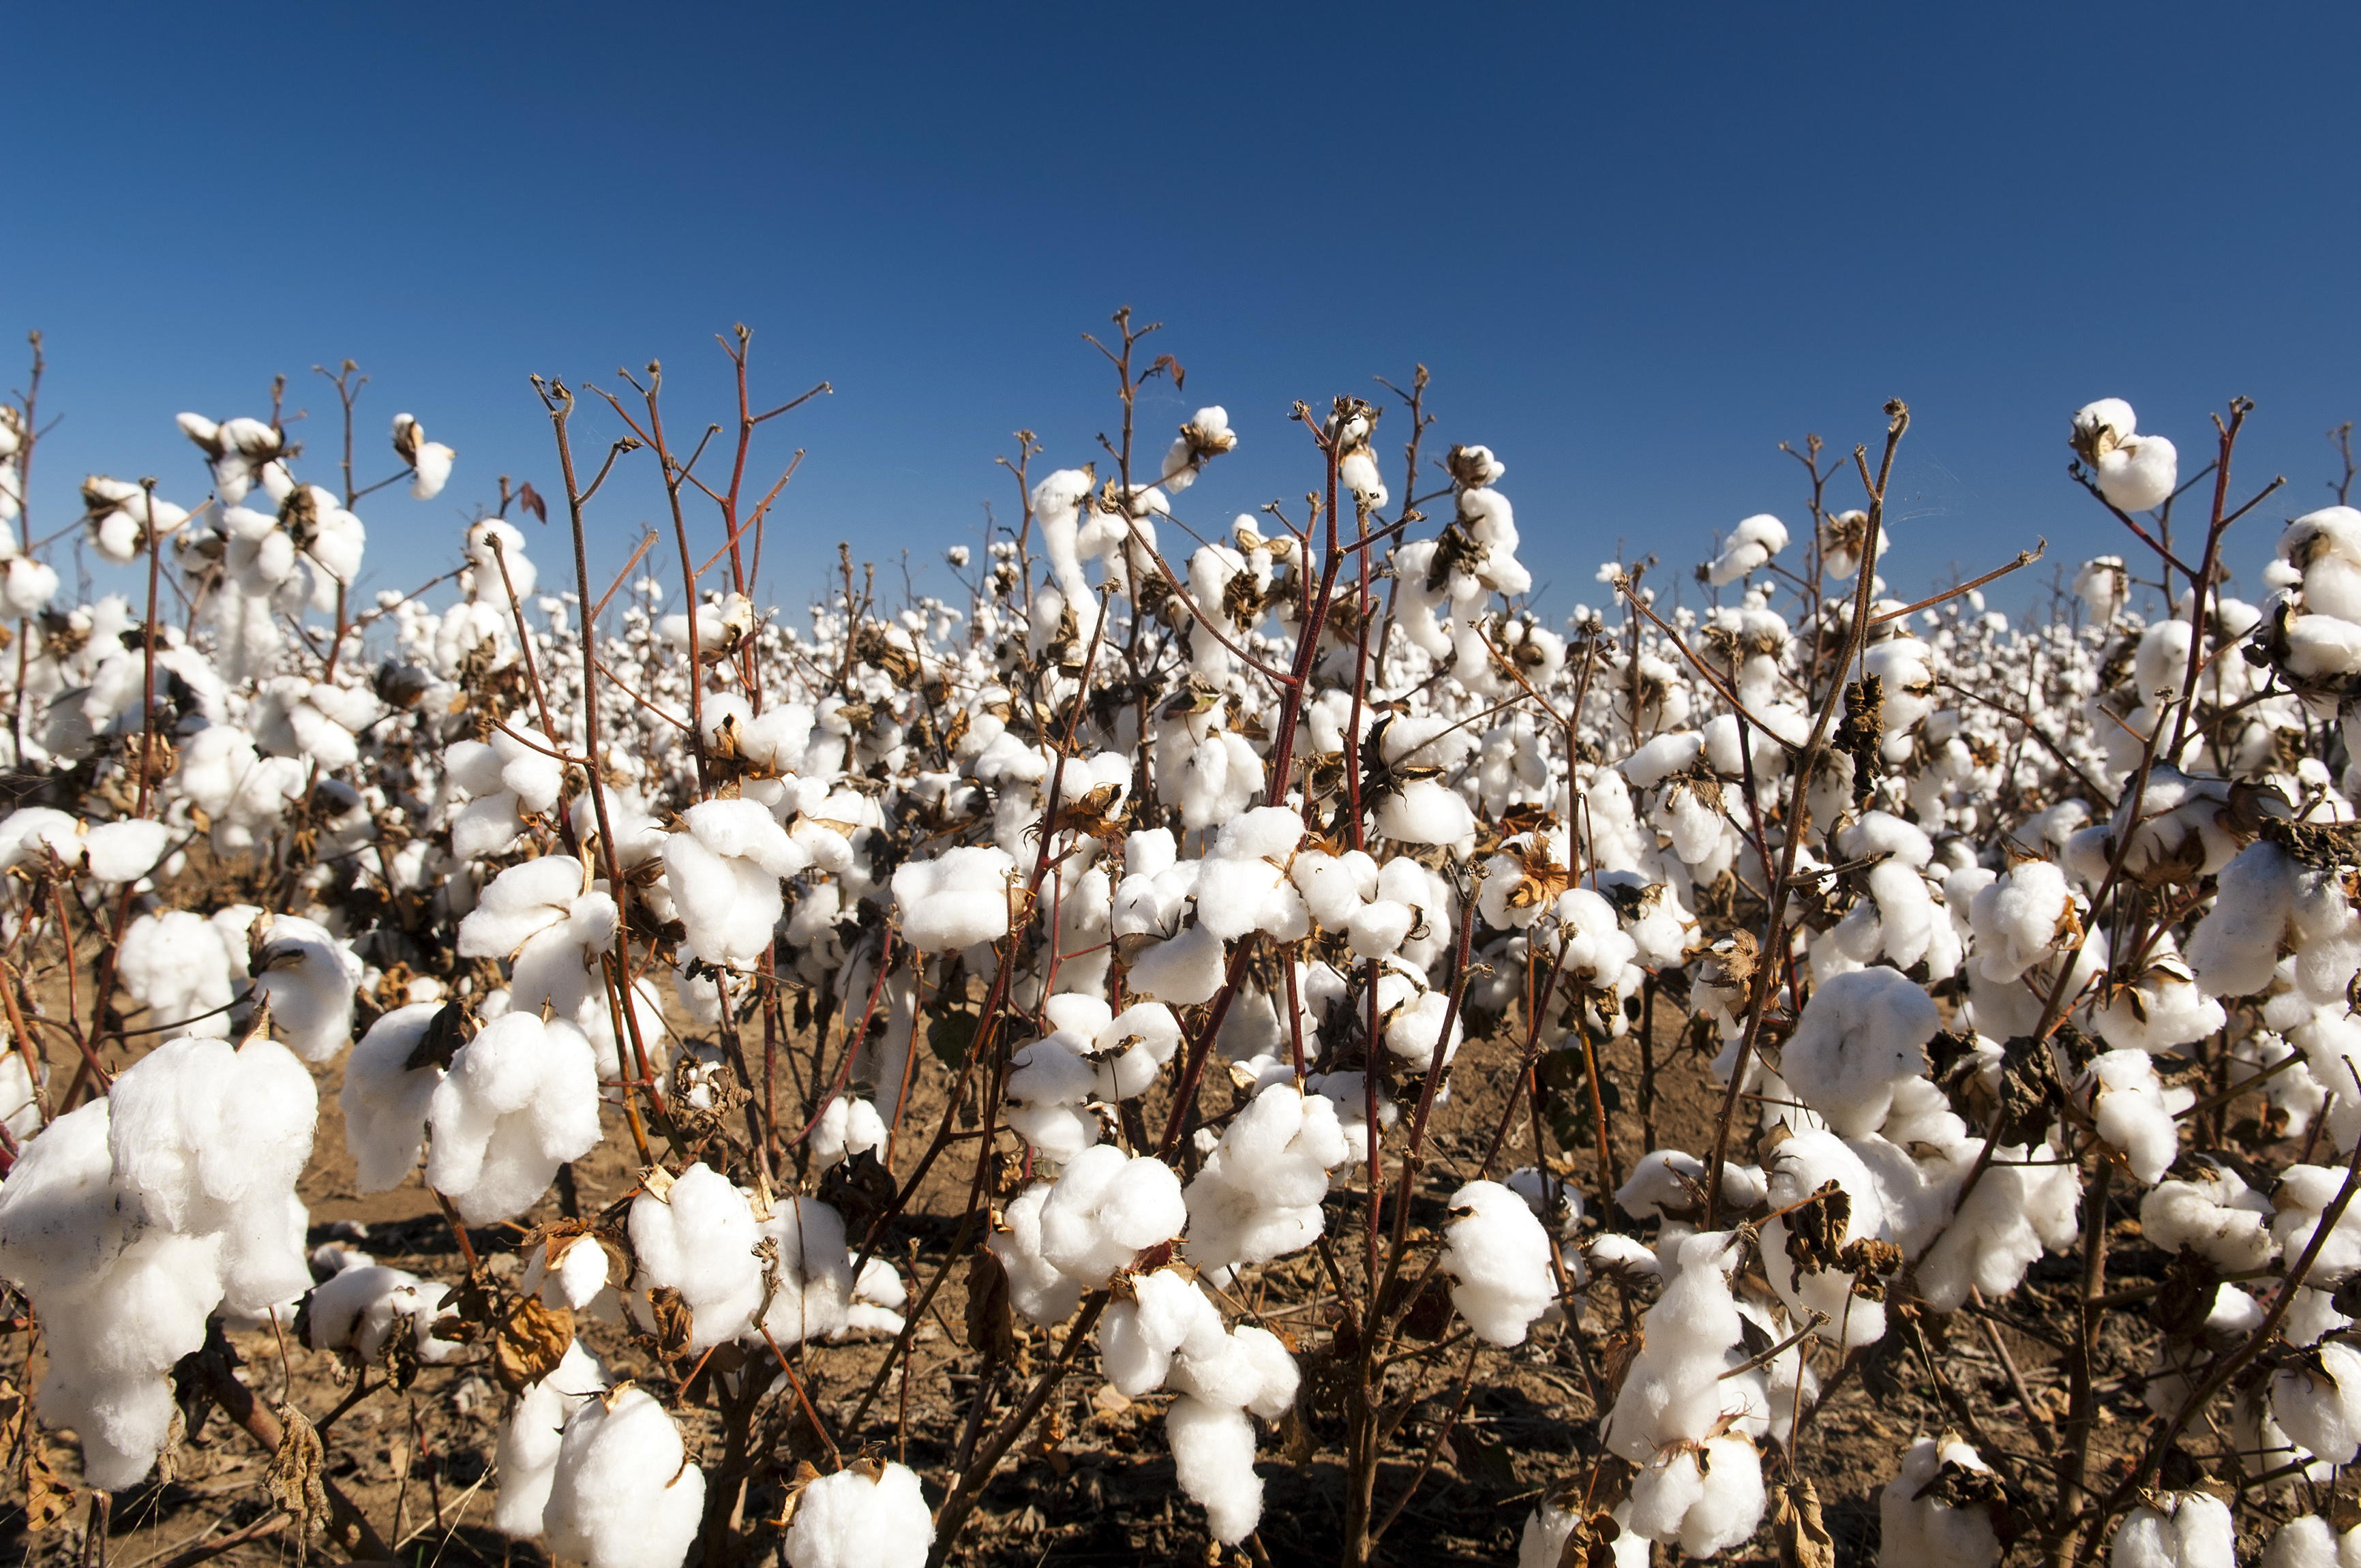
column 2215, row 1214
column 2317, row 1402
column 1138, row 1336
column 864, row 1516
column 2133, row 472
column 1105, row 1209
column 173, row 962
column 2301, row 1197
column 2128, row 1106
column 623, row 1495
column 1258, row 1196
column 1183, row 970
column 956, row 900
column 2024, row 1204
column 530, row 1440
column 1036, row 1286
column 1860, row 1034
column 361, row 1309
column 385, row 1099
column 699, row 1239
column 1427, row 811
column 1543, row 1544
column 1919, row 1531
column 1670, row 1183
column 125, row 851
column 2309, row 1542
column 520, row 1099
column 848, row 1128
column 1334, row 886
column 1749, row 548
column 1213, row 1456
column 1798, row 1168
column 1498, row 1257
column 2175, row 1530
column 309, row 978
column 816, row 1289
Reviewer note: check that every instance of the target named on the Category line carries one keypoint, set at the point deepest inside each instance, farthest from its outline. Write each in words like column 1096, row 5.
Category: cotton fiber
column 521, row 1100
column 623, row 1493
column 865, row 1517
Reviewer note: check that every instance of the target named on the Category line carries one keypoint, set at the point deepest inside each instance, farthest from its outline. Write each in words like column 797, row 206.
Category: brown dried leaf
column 991, row 1331
column 675, row 1322
column 532, row 1339
column 293, row 1476
column 1814, row 1231
column 1803, row 1541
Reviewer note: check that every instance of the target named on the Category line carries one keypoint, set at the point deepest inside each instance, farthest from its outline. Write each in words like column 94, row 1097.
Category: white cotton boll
column 2130, row 1111
column 1925, row 1532
column 1671, row 1182
column 530, row 1438
column 2318, row 1404
column 125, row 851
column 2020, row 919
column 1426, row 811
column 1181, row 971
column 1258, row 1193
column 1415, row 1020
column 2235, row 948
column 1798, row 1168
column 1749, row 548
column 309, row 976
column 2133, row 472
column 847, row 1127
column 520, row 1099
column 1859, row 1036
column 362, row 1308
column 1105, row 1209
column 384, row 1100
column 1498, row 1257
column 2303, row 1194
column 729, row 907
column 623, row 1495
column 29, row 586
column 1036, row 1286
column 2177, row 1529
column 699, row 1239
column 855, row 1518
column 1334, row 886
column 2305, row 1541
column 2024, row 1204
column 814, row 1299
column 2215, row 1214
column 1212, row 1455
column 172, row 963
column 2103, row 587
column 956, row 900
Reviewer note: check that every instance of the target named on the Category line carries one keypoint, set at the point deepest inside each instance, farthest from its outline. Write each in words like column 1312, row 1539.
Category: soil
column 1094, row 1482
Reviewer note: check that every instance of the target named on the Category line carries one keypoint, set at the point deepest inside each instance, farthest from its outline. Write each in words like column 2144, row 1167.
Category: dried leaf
column 533, row 1338
column 675, row 1322
column 293, row 1476
column 1815, row 1232
column 991, row 1331
column 529, row 499
column 1803, row 1541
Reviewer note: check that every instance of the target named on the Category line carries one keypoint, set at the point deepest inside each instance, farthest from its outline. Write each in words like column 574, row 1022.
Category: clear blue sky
column 1637, row 246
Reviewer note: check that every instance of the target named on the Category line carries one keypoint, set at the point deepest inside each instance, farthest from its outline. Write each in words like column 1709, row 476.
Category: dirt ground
column 1097, row 1487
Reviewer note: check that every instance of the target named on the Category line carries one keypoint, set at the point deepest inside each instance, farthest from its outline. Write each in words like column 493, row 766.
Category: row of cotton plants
column 1164, row 889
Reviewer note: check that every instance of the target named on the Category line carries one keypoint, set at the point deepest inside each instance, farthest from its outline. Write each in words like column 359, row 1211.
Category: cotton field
column 1256, row 987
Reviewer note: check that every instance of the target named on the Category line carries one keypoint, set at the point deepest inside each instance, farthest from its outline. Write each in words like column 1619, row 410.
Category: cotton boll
column 173, row 962
column 2305, row 1541
column 522, row 1098
column 960, row 898
column 2128, row 1106
column 1800, row 1166
column 2024, row 1205
column 2317, row 1402
column 1183, row 970
column 2175, row 1530
column 1105, row 1209
column 530, row 1440
column 847, row 1127
column 1212, row 1455
column 1258, row 1196
column 2214, row 1215
column 1425, row 811
column 2303, row 1196
column 309, row 978
column 623, row 1495
column 699, row 1239
column 1859, row 1036
column 125, row 851
column 814, row 1297
column 385, row 1101
column 1749, row 548
column 865, row 1517
column 2133, row 472
column 1499, row 1257
column 1036, row 1286
column 1926, row 1532
column 360, row 1309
